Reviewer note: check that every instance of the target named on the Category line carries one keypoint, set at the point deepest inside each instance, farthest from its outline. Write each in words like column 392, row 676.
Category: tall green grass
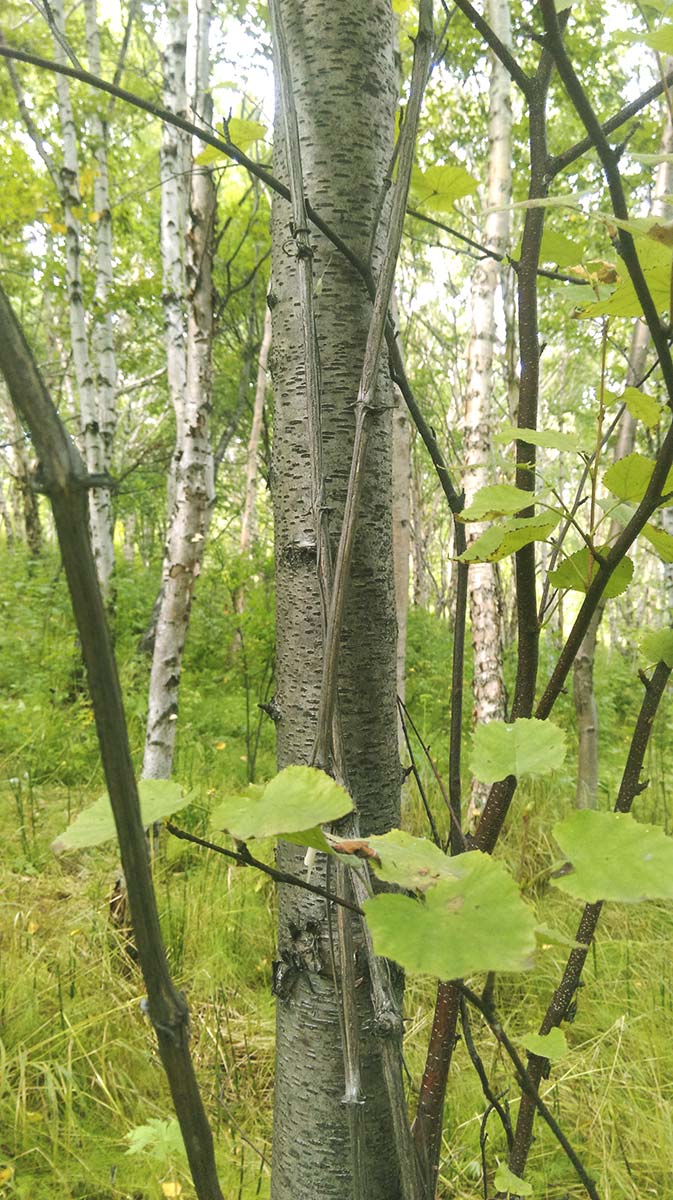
column 78, row 1066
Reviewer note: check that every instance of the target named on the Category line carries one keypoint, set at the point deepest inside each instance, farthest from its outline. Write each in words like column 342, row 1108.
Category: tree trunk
column 6, row 518
column 27, row 512
column 483, row 583
column 102, row 337
column 340, row 56
column 100, row 510
column 193, row 459
column 401, row 529
column 248, row 519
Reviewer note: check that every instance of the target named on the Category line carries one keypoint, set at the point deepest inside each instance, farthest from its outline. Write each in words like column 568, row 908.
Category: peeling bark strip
column 483, row 580
column 66, row 481
column 193, row 460
column 339, row 54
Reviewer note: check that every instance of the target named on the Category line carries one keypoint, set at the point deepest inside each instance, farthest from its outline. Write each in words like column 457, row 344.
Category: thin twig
column 530, row 1088
column 244, row 858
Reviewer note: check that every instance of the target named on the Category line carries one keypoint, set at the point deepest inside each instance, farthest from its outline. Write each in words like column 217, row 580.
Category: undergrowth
column 80, row 1080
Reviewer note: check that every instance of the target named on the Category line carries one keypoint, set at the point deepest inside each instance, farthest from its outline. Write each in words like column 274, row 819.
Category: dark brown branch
column 569, row 156
column 609, row 161
column 64, row 476
column 244, row 858
column 475, row 1058
column 558, row 276
column 516, row 73
column 630, row 787
column 530, row 1088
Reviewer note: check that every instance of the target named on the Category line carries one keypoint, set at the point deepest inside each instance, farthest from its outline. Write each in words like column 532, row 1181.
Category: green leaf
column 440, row 186
column 242, row 134
column 660, row 540
column 294, row 802
column 642, row 407
column 505, row 1180
column 499, row 500
column 660, row 39
column 476, row 923
column 657, row 646
column 413, row 862
column 501, row 540
column 579, row 569
column 528, row 747
column 161, row 1140
column 614, row 857
column 558, row 249
column 552, row 1045
column 550, row 439
column 159, row 798
column 628, row 478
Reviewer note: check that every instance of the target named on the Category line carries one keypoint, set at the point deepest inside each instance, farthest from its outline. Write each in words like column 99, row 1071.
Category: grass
column 78, row 1065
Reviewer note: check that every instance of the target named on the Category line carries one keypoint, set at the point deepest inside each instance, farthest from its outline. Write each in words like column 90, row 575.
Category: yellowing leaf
column 6, row 1174
column 171, row 1189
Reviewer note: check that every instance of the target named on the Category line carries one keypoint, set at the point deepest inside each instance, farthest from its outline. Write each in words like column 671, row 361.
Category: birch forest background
column 336, row 581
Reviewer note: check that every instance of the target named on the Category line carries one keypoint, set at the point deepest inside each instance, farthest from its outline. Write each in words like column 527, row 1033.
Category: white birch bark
column 175, row 155
column 193, row 459
column 90, row 427
column 6, row 519
column 102, row 336
column 19, row 460
column 248, row 519
column 483, row 585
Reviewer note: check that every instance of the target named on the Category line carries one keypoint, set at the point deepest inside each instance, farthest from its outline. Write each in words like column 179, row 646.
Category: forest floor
column 84, row 1108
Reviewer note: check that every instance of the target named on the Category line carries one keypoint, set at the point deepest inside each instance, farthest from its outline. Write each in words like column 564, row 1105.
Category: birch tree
column 483, row 582
column 191, row 392
column 336, row 55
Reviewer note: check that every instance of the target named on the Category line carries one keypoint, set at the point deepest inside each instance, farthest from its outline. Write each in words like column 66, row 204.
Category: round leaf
column 295, row 800
column 579, row 569
column 614, row 857
column 476, row 923
column 501, row 540
column 416, row 863
column 657, row 646
column 552, row 1045
column 500, row 500
column 505, row 1180
column 528, row 747
column 159, row 798
column 549, row 439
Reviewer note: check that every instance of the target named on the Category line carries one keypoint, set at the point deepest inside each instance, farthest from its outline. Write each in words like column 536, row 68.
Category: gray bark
column 401, row 529
column 248, row 519
column 339, row 54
